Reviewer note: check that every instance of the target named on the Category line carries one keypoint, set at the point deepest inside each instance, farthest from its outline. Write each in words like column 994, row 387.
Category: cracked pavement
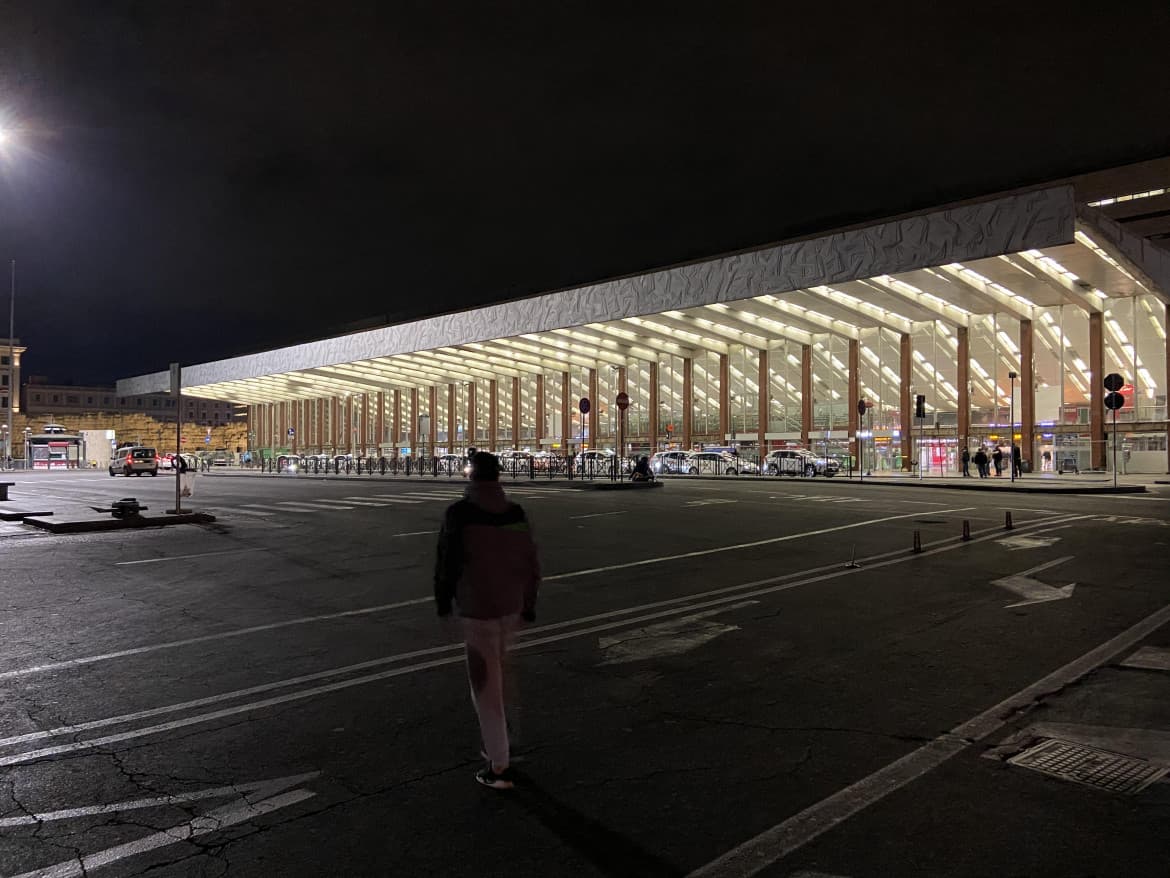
column 652, row 766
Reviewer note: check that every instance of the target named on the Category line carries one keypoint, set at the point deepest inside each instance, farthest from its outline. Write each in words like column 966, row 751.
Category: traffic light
column 920, row 406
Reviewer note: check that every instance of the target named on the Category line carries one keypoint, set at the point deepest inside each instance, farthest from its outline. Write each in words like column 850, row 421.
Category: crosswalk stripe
column 394, row 498
column 357, row 501
column 264, row 506
column 310, row 507
column 234, row 511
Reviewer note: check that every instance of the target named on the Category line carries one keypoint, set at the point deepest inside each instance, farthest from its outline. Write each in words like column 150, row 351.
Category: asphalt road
column 710, row 686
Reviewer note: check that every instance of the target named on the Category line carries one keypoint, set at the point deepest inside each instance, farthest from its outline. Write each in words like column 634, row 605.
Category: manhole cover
column 1101, row 769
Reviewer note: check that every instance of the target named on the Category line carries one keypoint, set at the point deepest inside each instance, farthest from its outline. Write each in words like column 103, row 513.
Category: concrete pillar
column 540, row 426
column 469, row 430
column 854, row 394
column 688, row 405
column 412, row 427
column 517, row 408
column 652, row 415
column 1096, row 391
column 963, row 355
column 905, row 377
column 806, row 395
column 594, row 409
column 724, row 397
column 762, row 408
column 493, row 413
column 1027, row 395
column 433, row 411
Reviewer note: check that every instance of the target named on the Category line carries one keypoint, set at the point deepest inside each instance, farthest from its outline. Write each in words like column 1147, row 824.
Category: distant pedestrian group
column 997, row 458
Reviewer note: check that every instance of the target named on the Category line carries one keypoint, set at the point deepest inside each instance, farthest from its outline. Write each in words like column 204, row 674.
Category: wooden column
column 452, row 419
column 493, row 413
column 539, row 404
column 1166, row 323
column 652, row 415
column 433, row 411
column 566, row 424
column 517, row 408
column 335, row 422
column 1027, row 395
column 724, row 397
column 854, row 394
column 296, row 437
column 905, row 377
column 806, row 395
column 594, row 409
column 365, row 432
column 1096, row 391
column 320, row 431
column 412, row 427
column 380, row 429
column 469, row 431
column 396, row 420
column 349, row 423
column 763, row 407
column 963, row 355
column 688, row 405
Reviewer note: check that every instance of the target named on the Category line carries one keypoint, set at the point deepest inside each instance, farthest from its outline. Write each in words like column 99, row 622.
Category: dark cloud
column 204, row 179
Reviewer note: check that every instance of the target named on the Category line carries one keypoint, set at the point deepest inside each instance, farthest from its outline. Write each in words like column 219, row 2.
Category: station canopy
column 975, row 264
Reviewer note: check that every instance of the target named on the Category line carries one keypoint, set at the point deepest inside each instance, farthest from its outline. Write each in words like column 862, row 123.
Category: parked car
column 598, row 462
column 289, row 463
column 453, row 464
column 721, row 463
column 221, row 457
column 800, row 462
column 670, row 462
column 134, row 461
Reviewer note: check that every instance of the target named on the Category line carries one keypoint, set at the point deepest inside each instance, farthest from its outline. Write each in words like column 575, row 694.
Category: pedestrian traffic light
column 920, row 406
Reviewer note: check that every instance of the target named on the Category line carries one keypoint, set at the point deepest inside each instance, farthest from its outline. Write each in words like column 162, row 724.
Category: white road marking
column 1027, row 541
column 1151, row 658
column 264, row 506
column 738, row 546
column 185, row 557
column 712, row 502
column 358, row 501
column 223, row 635
column 772, row 845
column 234, row 510
column 212, row 821
column 266, row 787
column 667, row 638
column 317, row 501
column 311, row 507
column 415, row 533
column 394, row 498
column 757, row 588
column 600, row 514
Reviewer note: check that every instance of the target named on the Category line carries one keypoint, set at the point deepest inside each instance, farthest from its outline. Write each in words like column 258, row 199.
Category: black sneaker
column 501, row 781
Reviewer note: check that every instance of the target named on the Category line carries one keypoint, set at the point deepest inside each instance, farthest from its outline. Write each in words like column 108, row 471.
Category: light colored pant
column 487, row 642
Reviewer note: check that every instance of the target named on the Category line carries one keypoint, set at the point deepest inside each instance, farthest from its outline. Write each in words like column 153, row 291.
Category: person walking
column 966, row 458
column 981, row 462
column 487, row 568
column 997, row 459
column 1017, row 462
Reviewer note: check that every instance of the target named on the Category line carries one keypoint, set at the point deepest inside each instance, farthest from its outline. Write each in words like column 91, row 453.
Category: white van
column 134, row 460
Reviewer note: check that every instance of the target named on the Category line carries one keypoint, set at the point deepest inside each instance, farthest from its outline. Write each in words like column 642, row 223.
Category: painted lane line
column 751, row 545
column 415, row 533
column 316, row 501
column 769, row 587
column 359, row 502
column 772, row 845
column 206, row 638
column 212, row 821
column 264, row 787
column 303, row 620
column 185, row 557
column 394, row 498
column 233, row 510
column 600, row 514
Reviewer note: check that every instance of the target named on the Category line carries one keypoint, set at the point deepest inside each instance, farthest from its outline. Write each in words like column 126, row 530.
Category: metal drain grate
column 1100, row 769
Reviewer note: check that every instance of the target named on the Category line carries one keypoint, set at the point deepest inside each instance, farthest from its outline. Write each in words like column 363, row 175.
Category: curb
column 95, row 525
column 542, row 483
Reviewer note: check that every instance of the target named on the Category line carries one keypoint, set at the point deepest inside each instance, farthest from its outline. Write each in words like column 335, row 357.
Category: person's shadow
column 611, row 852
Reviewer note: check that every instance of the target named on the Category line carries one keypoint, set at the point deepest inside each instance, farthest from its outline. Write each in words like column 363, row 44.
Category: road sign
column 583, row 405
column 862, row 405
column 206, row 440
column 291, row 431
column 1114, row 382
column 623, row 400
column 670, row 428
column 1114, row 401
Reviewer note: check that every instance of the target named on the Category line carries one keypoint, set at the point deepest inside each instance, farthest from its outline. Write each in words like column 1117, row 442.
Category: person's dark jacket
column 487, row 564
column 181, row 464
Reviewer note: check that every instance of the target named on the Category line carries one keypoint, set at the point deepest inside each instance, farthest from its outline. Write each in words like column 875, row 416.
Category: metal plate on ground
column 1100, row 769
column 1151, row 658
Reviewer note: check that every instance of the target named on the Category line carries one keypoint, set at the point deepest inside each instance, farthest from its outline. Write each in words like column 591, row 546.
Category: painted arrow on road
column 1033, row 591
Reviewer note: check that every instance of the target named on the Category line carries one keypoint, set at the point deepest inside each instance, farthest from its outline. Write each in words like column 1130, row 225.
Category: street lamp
column 1012, row 376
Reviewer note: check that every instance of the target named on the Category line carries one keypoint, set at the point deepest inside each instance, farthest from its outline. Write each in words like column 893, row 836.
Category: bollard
column 966, row 530
column 917, row 542
column 1007, row 520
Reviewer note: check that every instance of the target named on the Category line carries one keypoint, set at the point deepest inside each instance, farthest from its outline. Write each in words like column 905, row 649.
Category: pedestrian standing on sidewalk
column 997, row 459
column 966, row 458
column 487, row 569
column 1017, row 462
column 981, row 462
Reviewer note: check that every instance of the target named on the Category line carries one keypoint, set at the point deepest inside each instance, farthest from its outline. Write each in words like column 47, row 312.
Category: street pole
column 177, row 390
column 1012, row 423
column 12, row 388
column 1115, row 448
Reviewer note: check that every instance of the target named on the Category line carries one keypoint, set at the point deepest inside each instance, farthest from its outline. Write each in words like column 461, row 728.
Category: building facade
column 1004, row 314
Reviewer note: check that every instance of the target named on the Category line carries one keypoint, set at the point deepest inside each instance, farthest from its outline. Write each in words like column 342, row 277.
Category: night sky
column 196, row 180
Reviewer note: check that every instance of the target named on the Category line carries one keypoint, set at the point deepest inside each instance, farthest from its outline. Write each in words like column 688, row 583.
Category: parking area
column 725, row 676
